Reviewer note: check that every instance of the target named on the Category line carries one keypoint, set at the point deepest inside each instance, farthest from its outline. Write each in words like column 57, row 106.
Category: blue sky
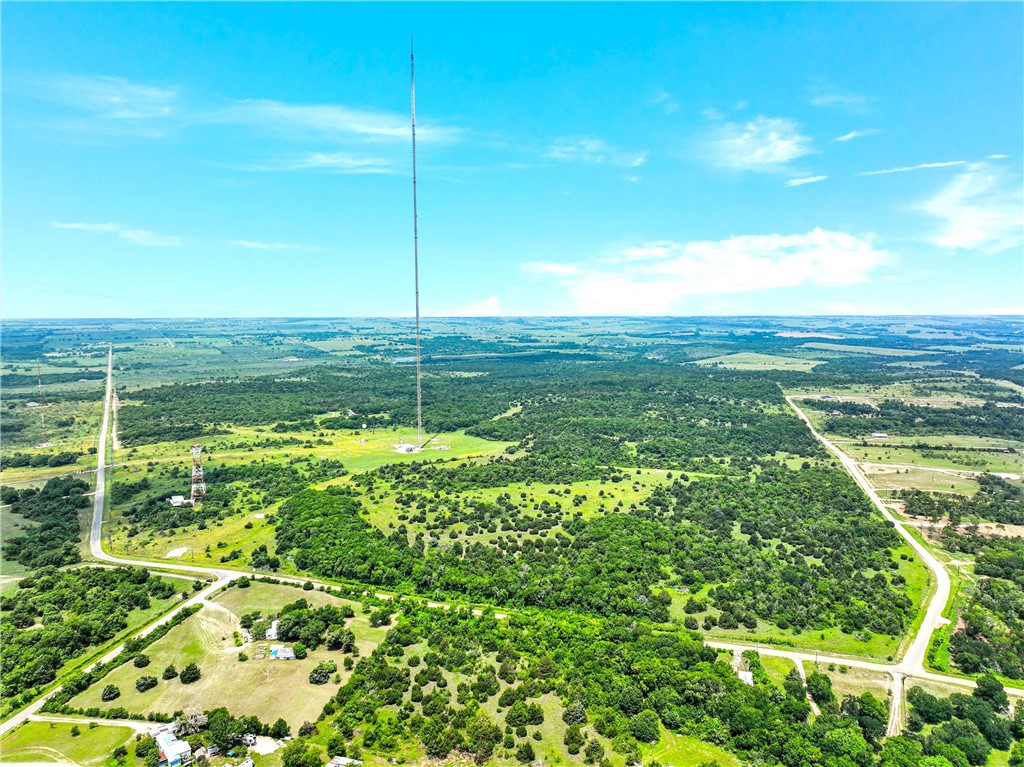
column 190, row 159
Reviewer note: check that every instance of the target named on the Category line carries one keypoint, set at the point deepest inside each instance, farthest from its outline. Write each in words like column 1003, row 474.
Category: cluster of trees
column 617, row 684
column 996, row 501
column 811, row 553
column 56, row 615
column 53, row 541
column 267, row 480
column 896, row 417
column 966, row 728
column 307, row 626
column 992, row 635
column 37, row 460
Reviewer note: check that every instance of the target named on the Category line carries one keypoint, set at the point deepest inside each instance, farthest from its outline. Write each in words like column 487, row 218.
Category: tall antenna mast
column 42, row 401
column 416, row 251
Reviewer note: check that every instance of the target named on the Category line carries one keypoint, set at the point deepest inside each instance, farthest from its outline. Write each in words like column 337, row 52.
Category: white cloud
column 833, row 97
column 333, row 162
column 137, row 236
column 664, row 99
column 657, row 277
column 997, row 156
column 762, row 144
column 980, row 209
column 109, row 98
column 332, row 121
column 857, row 134
column 489, row 307
column 257, row 245
column 593, row 151
column 805, row 180
column 907, row 168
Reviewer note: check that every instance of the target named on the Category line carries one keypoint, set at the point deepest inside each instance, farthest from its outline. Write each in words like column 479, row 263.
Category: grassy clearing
column 940, row 458
column 264, row 688
column 53, row 742
column 756, row 361
column 881, row 351
column 890, row 478
column 685, row 751
column 776, row 668
column 853, row 681
column 12, row 526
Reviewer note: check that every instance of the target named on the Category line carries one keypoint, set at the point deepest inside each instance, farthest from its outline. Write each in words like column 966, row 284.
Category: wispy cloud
column 829, row 96
column 137, row 236
column 108, row 98
column 980, row 209
column 805, row 180
column 330, row 121
column 593, row 151
column 332, row 162
column 857, row 134
column 762, row 144
column 997, row 156
column 656, row 278
column 908, row 168
column 665, row 100
column 257, row 245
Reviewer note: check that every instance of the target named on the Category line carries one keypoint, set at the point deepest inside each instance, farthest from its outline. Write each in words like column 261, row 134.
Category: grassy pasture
column 264, row 688
column 891, row 478
column 881, row 351
column 53, row 742
column 941, row 458
column 757, row 361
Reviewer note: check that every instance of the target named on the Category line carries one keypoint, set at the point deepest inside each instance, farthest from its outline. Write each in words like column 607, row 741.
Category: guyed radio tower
column 198, row 481
column 42, row 404
column 416, row 251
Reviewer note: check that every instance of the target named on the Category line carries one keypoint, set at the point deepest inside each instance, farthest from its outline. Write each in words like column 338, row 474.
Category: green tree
column 300, row 753
column 280, row 729
column 191, row 673
column 170, row 672
column 525, row 753
column 645, row 726
column 110, row 692
column 820, row 688
column 990, row 689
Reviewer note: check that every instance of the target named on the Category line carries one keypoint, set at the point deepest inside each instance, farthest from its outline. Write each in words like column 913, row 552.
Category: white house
column 879, row 435
column 272, row 631
column 173, row 752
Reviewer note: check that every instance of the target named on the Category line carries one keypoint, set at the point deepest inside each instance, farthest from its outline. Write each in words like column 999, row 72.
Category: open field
column 53, row 742
column 261, row 687
column 891, row 478
column 938, row 458
column 880, row 351
column 853, row 681
column 755, row 361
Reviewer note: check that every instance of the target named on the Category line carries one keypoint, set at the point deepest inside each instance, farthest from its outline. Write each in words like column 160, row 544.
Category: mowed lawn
column 53, row 742
column 260, row 687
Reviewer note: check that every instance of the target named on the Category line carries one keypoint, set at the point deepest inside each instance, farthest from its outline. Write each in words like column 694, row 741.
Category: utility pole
column 416, row 250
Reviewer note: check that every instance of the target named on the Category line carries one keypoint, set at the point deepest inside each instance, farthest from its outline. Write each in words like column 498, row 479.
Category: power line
column 416, row 251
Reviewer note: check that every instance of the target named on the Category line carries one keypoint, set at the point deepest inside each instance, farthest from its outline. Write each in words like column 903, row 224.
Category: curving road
column 912, row 664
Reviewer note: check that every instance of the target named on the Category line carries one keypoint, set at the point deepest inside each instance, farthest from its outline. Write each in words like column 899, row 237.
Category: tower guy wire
column 416, row 250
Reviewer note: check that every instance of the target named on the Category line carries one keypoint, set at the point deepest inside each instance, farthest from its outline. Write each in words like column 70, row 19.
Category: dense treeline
column 55, row 615
column 972, row 724
column 897, row 418
column 996, row 501
column 809, row 553
column 55, row 508
column 37, row 460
